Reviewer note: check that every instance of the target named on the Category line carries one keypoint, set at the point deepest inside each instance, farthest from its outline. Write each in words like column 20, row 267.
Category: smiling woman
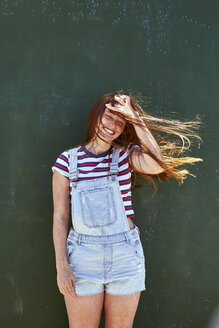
column 100, row 261
column 112, row 124
column 122, row 119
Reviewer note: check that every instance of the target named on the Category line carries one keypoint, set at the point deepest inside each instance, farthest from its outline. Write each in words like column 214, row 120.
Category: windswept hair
column 173, row 136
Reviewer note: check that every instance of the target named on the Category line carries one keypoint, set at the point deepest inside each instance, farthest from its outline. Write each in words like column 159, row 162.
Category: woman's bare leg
column 84, row 311
column 120, row 310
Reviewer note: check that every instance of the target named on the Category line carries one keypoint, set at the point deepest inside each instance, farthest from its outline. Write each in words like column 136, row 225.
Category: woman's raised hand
column 66, row 281
column 123, row 107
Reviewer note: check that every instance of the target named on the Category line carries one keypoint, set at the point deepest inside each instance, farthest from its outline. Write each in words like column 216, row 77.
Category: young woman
column 100, row 261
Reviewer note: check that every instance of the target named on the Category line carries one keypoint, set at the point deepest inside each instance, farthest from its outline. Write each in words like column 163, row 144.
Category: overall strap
column 73, row 171
column 115, row 160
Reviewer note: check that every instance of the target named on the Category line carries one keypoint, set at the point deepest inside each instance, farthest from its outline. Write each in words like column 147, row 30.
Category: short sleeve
column 62, row 164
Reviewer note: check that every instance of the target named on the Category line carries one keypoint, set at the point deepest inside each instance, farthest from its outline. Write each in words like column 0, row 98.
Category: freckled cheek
column 103, row 122
column 122, row 128
column 119, row 129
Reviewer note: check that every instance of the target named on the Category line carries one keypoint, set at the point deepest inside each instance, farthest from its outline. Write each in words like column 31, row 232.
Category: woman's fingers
column 71, row 289
column 112, row 107
column 68, row 289
column 122, row 99
column 128, row 100
column 66, row 282
column 71, row 285
column 119, row 99
column 108, row 105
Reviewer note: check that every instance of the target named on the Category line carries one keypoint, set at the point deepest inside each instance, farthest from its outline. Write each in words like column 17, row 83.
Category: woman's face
column 111, row 126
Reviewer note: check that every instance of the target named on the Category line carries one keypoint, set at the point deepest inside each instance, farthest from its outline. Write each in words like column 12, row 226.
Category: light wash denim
column 102, row 251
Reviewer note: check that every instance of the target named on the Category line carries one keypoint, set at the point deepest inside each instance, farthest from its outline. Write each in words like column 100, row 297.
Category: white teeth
column 108, row 130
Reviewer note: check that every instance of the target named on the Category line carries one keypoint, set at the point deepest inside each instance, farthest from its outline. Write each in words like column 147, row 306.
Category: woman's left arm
column 141, row 162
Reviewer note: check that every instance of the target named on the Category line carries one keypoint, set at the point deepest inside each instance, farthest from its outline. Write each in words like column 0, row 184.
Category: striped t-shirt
column 92, row 166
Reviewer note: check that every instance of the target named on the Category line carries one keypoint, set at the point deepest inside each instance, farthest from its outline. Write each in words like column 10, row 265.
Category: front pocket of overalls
column 97, row 207
column 71, row 247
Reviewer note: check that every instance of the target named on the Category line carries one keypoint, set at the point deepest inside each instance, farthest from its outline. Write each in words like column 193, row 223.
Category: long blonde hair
column 173, row 136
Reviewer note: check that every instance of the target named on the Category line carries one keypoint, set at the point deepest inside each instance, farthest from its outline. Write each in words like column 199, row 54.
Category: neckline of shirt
column 96, row 155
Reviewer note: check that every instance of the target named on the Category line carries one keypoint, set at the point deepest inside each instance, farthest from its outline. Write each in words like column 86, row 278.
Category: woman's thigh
column 84, row 309
column 120, row 310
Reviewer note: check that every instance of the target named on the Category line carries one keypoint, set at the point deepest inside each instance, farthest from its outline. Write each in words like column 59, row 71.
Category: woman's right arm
column 61, row 214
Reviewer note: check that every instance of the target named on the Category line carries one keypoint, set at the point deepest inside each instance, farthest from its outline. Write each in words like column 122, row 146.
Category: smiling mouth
column 109, row 132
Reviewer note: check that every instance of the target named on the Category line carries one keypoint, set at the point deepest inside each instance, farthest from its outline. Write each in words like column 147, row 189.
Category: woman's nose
column 112, row 123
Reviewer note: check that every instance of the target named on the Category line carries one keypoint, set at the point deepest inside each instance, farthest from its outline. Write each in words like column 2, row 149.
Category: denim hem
column 136, row 291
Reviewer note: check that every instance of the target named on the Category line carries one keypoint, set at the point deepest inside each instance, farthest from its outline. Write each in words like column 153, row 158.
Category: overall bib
column 102, row 251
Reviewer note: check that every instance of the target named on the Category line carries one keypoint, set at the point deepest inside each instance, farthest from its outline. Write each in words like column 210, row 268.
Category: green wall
column 57, row 58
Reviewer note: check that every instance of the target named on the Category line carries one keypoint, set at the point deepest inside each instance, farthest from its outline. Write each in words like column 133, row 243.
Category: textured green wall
column 57, row 58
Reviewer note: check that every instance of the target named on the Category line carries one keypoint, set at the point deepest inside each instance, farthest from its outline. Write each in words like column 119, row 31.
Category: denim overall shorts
column 103, row 253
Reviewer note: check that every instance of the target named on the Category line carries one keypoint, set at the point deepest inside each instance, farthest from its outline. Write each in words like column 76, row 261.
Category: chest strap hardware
column 73, row 174
column 73, row 170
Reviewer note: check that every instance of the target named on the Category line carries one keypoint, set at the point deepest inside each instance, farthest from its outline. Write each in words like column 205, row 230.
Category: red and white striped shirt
column 93, row 166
